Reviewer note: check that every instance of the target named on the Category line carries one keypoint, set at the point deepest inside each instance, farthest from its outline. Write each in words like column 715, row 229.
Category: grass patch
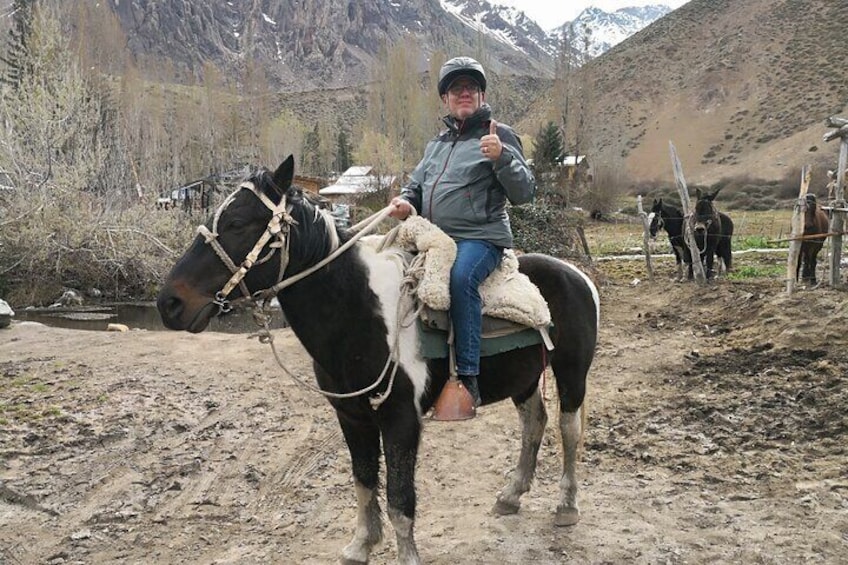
column 758, row 242
column 744, row 272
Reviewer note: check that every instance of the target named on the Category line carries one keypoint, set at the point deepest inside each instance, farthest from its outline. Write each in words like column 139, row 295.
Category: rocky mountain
column 313, row 44
column 304, row 45
column 602, row 30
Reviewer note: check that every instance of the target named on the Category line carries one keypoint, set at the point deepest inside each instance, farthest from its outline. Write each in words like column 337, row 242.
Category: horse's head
column 252, row 240
column 657, row 218
column 705, row 215
column 812, row 203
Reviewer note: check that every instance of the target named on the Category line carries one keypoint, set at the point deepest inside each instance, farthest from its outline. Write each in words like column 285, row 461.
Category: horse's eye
column 236, row 224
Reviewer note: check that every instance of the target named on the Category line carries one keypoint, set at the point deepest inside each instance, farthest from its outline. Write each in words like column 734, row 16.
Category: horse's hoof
column 502, row 508
column 567, row 517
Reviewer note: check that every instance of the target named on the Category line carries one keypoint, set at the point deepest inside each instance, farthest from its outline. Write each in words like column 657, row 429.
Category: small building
column 310, row 184
column 357, row 181
column 576, row 167
column 199, row 195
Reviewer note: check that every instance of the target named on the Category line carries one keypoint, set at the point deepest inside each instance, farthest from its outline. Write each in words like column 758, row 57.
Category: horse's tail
column 727, row 237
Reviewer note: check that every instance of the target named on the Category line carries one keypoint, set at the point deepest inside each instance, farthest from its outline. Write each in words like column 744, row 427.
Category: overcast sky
column 553, row 13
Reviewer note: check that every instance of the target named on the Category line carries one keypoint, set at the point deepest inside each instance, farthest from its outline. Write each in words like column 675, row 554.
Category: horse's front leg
column 533, row 420
column 401, row 436
column 813, row 265
column 363, row 441
column 710, row 259
column 678, row 257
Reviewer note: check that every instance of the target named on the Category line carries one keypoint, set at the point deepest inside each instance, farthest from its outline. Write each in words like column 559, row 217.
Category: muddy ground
column 717, row 433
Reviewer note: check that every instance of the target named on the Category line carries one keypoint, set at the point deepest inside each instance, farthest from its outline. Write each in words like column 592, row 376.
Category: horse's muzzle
column 189, row 313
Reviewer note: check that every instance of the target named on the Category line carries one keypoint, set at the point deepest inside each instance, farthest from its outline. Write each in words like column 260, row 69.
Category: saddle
column 515, row 314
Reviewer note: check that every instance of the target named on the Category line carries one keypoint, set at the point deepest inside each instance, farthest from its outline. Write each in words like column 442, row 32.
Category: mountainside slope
column 323, row 43
column 742, row 88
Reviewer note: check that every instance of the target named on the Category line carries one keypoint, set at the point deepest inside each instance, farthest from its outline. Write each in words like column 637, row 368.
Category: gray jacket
column 457, row 188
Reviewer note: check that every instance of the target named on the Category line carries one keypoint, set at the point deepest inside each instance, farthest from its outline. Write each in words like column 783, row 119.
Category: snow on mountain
column 512, row 27
column 607, row 29
column 508, row 25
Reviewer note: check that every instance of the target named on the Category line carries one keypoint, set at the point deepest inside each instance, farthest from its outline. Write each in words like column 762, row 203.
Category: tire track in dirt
column 314, row 450
column 131, row 476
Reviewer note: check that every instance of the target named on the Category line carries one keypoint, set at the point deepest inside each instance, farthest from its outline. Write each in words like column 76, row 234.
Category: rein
column 279, row 227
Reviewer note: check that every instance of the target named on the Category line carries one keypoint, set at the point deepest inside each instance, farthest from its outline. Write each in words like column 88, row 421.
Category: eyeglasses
column 470, row 87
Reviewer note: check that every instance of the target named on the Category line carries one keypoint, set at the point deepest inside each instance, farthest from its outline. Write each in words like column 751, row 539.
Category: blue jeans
column 475, row 260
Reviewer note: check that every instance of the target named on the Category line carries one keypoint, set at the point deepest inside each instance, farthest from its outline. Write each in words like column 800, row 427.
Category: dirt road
column 717, row 433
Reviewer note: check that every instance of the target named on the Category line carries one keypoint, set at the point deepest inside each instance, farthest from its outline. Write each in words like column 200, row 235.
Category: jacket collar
column 481, row 116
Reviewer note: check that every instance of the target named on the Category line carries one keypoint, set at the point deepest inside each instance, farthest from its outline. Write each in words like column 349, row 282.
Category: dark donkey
column 713, row 233
column 346, row 316
column 816, row 222
column 670, row 218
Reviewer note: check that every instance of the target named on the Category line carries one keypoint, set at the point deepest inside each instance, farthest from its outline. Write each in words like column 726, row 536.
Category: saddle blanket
column 433, row 343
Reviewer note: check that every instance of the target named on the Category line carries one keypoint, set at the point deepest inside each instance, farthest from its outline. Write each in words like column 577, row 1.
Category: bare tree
column 400, row 110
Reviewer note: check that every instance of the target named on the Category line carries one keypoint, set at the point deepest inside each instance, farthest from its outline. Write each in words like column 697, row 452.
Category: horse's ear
column 714, row 194
column 656, row 202
column 697, row 194
column 284, row 174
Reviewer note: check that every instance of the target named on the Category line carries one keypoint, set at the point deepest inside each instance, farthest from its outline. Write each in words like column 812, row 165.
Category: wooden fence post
column 798, row 213
column 688, row 236
column 837, row 221
column 646, row 236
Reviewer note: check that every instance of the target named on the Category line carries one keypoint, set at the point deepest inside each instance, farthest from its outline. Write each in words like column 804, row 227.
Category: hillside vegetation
column 741, row 88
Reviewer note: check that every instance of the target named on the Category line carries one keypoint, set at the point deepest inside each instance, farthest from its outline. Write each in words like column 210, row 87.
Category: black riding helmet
column 461, row 66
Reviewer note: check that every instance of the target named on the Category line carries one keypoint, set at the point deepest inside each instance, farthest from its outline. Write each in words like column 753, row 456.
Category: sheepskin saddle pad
column 512, row 304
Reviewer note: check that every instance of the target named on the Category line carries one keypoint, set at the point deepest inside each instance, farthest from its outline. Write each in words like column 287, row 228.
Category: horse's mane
column 315, row 235
column 672, row 212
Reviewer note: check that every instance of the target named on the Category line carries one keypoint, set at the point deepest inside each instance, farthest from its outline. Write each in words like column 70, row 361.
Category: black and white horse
column 670, row 219
column 345, row 315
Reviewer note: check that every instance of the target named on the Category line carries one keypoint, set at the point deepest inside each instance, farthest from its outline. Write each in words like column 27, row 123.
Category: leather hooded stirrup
column 454, row 403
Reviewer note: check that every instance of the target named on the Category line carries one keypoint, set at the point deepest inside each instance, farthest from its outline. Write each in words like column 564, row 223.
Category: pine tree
column 309, row 157
column 343, row 151
column 548, row 148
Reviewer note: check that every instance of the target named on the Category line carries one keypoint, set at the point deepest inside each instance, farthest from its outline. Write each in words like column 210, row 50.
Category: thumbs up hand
column 490, row 144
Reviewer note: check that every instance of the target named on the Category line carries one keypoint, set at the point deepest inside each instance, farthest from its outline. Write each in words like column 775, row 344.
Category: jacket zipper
column 444, row 168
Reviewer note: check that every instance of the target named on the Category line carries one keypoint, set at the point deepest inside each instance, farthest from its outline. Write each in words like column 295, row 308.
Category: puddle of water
column 136, row 316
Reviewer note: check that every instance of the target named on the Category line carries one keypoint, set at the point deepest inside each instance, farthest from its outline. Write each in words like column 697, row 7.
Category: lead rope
column 262, row 317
